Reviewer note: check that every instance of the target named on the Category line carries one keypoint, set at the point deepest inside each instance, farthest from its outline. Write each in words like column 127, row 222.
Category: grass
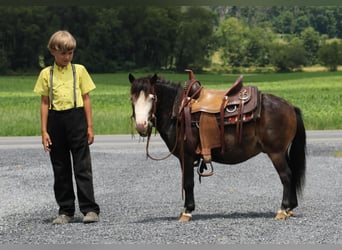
column 318, row 94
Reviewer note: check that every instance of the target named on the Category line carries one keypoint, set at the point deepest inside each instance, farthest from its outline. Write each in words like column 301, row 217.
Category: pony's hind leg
column 289, row 201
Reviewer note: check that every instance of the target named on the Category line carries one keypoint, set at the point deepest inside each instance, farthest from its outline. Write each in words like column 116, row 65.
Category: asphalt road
column 140, row 199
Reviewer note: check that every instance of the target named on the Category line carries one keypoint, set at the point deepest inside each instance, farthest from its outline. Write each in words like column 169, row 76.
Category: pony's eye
column 152, row 97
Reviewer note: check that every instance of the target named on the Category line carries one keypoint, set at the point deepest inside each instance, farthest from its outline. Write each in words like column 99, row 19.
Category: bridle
column 152, row 123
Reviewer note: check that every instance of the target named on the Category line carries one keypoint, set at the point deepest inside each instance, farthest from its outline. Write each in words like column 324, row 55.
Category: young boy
column 67, row 129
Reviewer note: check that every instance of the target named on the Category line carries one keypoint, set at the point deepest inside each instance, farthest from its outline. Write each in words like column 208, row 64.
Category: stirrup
column 202, row 166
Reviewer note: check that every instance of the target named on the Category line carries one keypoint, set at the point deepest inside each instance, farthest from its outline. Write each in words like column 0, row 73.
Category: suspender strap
column 74, row 75
column 51, row 85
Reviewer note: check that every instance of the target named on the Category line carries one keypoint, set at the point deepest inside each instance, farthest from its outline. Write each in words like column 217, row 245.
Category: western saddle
column 211, row 110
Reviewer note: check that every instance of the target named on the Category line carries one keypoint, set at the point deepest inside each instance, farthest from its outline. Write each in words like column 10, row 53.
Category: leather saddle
column 211, row 110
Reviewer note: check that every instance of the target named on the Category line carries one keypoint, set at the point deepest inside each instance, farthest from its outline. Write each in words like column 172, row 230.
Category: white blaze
column 142, row 108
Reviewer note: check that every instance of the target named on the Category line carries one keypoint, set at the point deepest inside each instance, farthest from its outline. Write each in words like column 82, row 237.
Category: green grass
column 318, row 94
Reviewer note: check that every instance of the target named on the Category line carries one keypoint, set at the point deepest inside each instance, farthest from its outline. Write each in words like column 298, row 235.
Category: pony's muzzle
column 143, row 128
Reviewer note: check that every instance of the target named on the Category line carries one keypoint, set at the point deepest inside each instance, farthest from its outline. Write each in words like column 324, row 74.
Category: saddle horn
column 191, row 74
column 192, row 86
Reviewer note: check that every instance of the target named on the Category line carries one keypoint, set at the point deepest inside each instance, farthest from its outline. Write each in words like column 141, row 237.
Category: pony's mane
column 170, row 84
column 172, row 91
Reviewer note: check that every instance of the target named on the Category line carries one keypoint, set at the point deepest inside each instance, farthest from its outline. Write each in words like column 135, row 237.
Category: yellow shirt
column 63, row 85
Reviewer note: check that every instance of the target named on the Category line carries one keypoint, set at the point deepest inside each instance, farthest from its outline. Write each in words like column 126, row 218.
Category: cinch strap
column 51, row 85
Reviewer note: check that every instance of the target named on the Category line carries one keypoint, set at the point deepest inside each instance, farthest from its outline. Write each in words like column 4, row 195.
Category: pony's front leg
column 188, row 187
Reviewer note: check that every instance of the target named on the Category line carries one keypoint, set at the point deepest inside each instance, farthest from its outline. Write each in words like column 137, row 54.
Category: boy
column 66, row 127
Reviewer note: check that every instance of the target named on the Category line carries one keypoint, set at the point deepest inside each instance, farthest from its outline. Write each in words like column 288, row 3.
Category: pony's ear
column 154, row 79
column 131, row 78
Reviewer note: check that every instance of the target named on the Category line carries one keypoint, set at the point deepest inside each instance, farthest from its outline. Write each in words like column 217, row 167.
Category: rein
column 154, row 124
column 148, row 155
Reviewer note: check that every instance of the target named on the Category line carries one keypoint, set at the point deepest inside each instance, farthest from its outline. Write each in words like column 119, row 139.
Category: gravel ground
column 141, row 199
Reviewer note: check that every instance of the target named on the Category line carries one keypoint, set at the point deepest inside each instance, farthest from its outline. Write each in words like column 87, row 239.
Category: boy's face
column 62, row 58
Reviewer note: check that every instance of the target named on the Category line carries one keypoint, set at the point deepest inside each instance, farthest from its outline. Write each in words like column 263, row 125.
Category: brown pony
column 278, row 132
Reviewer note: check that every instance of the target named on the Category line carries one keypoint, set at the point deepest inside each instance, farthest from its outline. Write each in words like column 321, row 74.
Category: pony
column 278, row 132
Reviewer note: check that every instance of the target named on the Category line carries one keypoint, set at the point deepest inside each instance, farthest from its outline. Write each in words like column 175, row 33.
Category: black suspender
column 51, row 85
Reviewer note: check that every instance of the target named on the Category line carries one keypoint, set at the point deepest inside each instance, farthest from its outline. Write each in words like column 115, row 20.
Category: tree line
column 173, row 38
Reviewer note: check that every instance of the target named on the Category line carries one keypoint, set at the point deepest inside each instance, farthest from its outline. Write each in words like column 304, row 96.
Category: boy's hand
column 90, row 135
column 46, row 141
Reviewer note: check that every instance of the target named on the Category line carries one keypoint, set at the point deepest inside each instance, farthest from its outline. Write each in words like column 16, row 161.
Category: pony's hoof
column 283, row 214
column 185, row 217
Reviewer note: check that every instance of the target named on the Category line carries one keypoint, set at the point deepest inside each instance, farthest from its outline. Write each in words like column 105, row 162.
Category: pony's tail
column 297, row 155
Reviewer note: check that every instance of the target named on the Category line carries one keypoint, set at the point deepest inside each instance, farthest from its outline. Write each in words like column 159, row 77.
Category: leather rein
column 153, row 123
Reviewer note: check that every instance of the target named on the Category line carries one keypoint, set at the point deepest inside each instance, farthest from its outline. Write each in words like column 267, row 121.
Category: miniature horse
column 278, row 132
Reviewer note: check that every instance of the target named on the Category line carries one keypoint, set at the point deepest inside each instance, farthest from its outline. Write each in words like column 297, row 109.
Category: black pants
column 70, row 152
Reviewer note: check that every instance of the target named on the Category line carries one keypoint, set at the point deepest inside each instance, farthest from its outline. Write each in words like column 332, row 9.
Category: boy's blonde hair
column 62, row 41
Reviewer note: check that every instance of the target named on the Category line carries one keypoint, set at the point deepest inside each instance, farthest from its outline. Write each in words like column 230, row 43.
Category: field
column 318, row 94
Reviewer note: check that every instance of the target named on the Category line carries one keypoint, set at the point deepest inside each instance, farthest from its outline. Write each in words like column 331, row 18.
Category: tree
column 242, row 45
column 146, row 37
column 100, row 48
column 287, row 56
column 3, row 61
column 258, row 46
column 20, row 33
column 194, row 38
column 311, row 39
column 231, row 38
column 285, row 22
column 158, row 37
column 150, row 37
column 330, row 55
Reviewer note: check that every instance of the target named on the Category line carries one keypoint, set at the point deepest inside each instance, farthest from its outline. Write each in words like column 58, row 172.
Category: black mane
column 170, row 91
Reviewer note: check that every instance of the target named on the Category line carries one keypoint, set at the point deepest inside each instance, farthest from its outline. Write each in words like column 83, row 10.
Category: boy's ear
column 52, row 52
